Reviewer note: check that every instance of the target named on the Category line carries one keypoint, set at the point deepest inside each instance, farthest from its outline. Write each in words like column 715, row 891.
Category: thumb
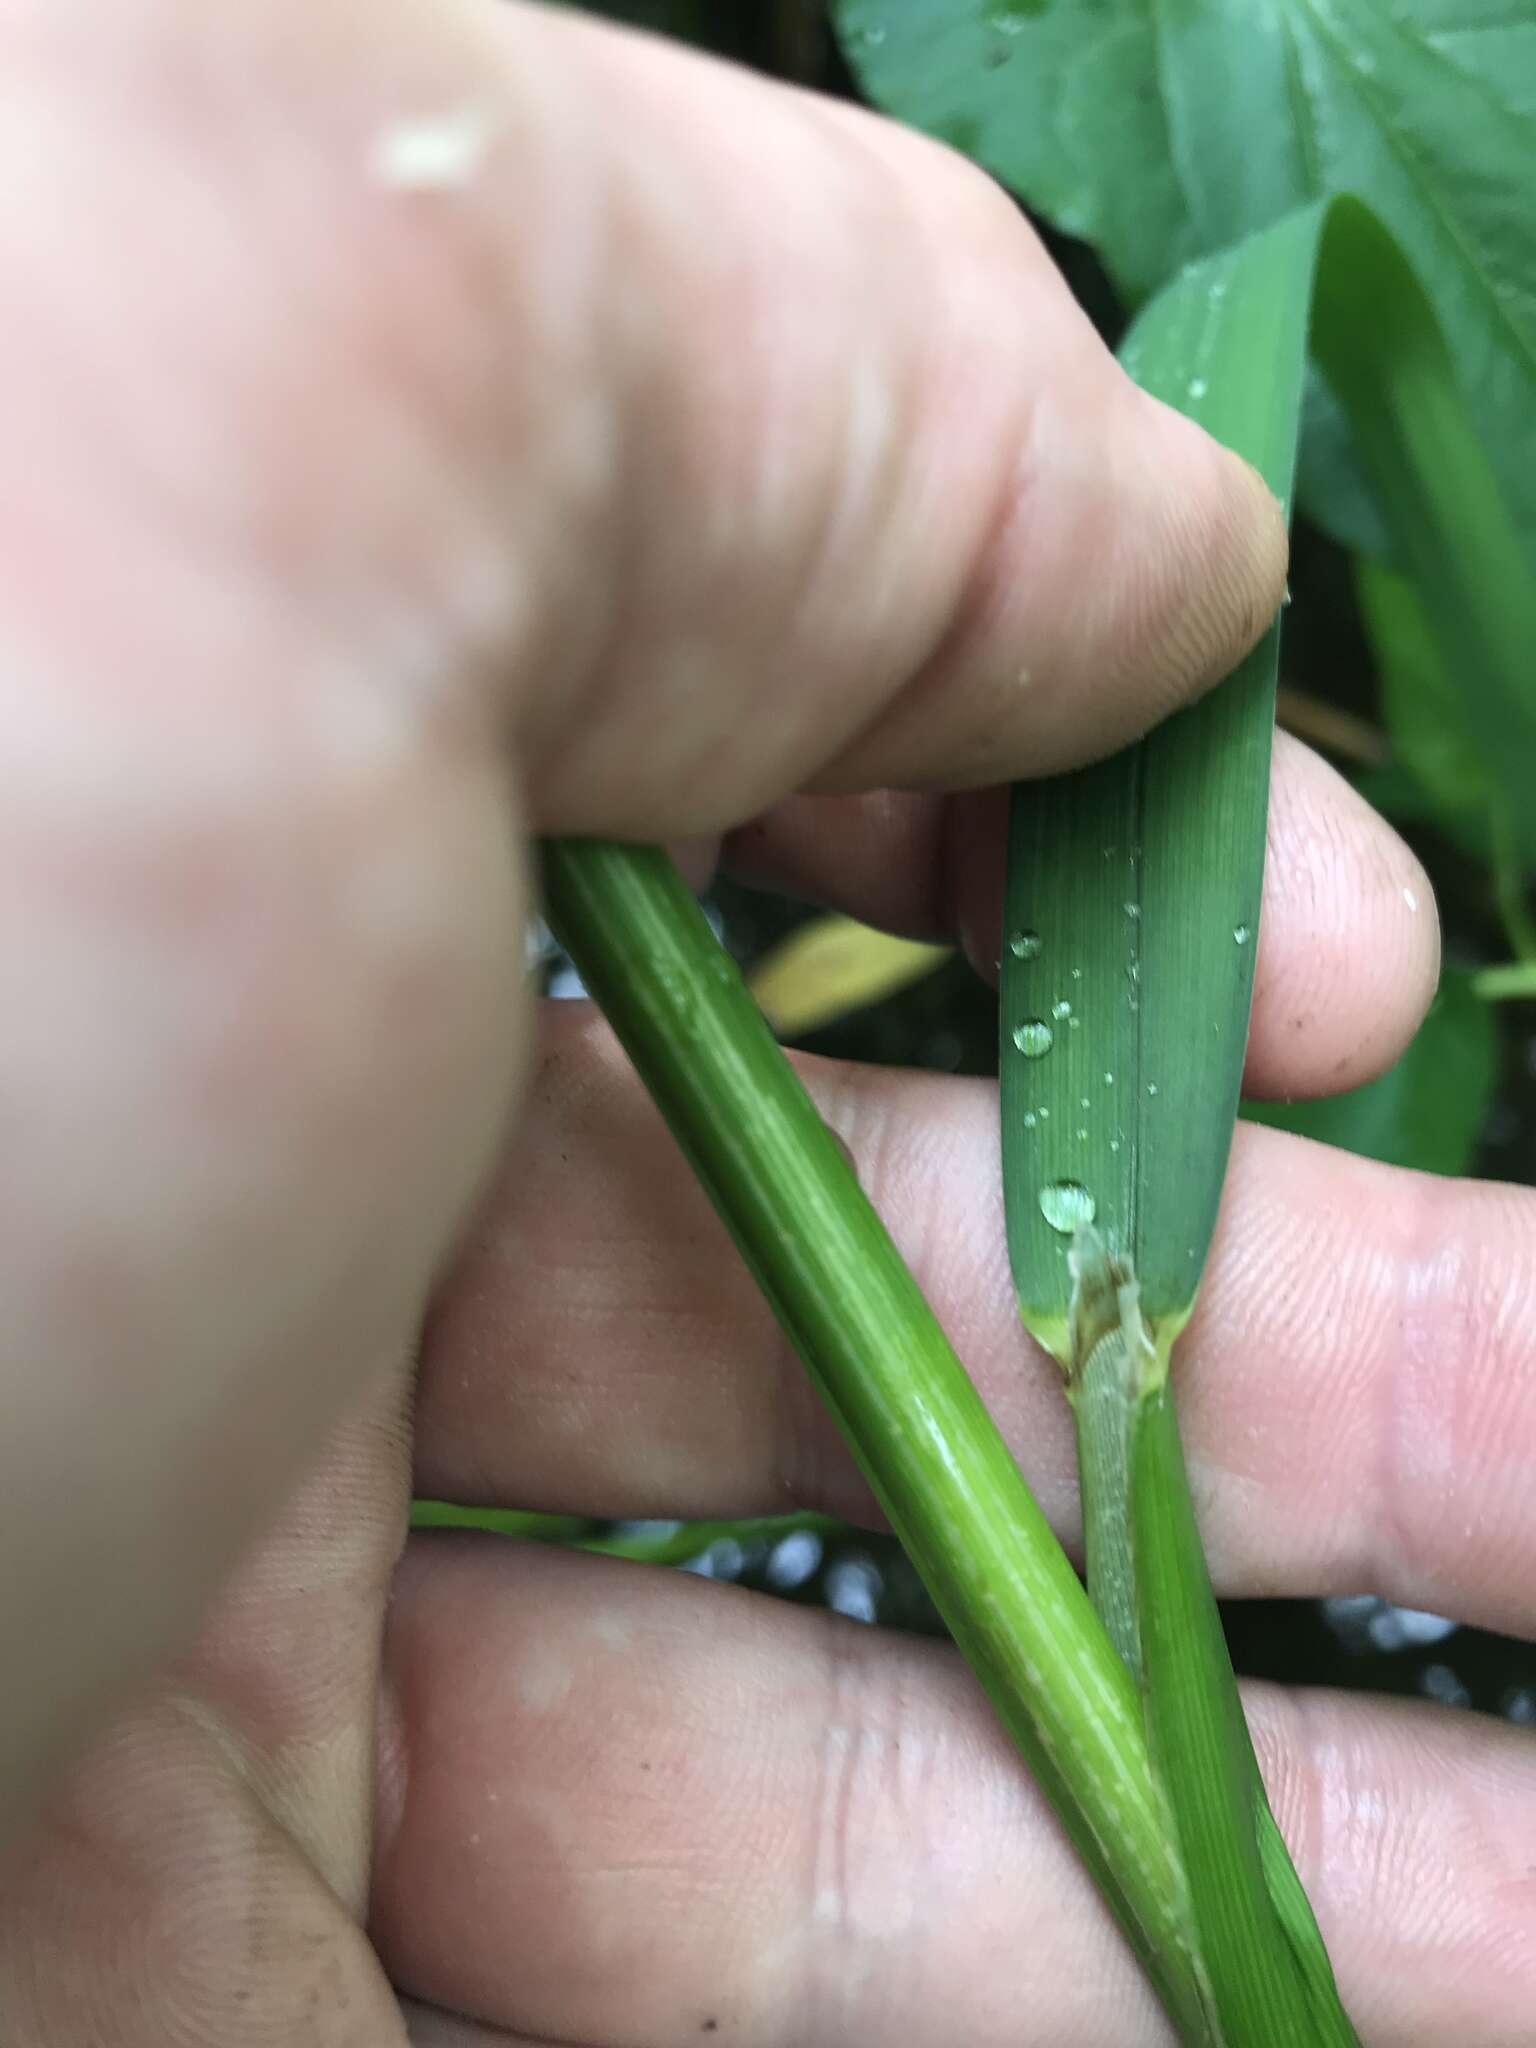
column 878, row 507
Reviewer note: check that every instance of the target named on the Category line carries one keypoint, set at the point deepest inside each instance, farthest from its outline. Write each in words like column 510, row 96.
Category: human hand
column 445, row 423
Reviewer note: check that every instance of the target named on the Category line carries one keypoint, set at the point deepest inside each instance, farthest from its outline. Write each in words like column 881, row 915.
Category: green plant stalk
column 1509, row 887
column 1512, row 981
column 1270, row 1971
column 872, row 1345
column 1271, row 1984
column 669, row 1543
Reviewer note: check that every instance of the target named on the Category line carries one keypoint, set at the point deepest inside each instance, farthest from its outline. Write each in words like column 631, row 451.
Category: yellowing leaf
column 832, row 966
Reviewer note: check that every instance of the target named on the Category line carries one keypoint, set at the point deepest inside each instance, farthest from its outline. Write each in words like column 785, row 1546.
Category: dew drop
column 1066, row 1205
column 1061, row 1008
column 1033, row 1037
column 1241, row 933
column 1198, row 387
column 1152, row 1088
column 1024, row 945
column 1082, row 1130
column 1077, row 974
column 1133, row 910
column 1083, row 1102
column 1109, row 1080
column 1030, row 1119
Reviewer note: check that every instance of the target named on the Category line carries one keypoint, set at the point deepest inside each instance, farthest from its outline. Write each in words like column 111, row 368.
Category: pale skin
column 682, row 458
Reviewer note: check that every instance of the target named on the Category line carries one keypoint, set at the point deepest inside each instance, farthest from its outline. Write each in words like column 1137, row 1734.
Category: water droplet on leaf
column 1066, row 1205
column 1033, row 1037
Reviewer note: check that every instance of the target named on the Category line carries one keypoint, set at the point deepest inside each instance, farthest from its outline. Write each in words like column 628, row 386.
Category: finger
column 621, row 1805
column 199, row 1871
column 870, row 518
column 1349, row 948
column 1357, row 1387
column 707, row 497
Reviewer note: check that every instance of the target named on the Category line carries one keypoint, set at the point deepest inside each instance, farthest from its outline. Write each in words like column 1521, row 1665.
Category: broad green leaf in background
column 1158, row 132
column 1427, row 1110
column 1439, row 774
column 1421, row 705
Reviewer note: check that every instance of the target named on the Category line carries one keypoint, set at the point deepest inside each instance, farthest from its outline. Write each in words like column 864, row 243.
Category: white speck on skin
column 1411, row 900
column 432, row 152
column 544, row 1680
column 613, row 1629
